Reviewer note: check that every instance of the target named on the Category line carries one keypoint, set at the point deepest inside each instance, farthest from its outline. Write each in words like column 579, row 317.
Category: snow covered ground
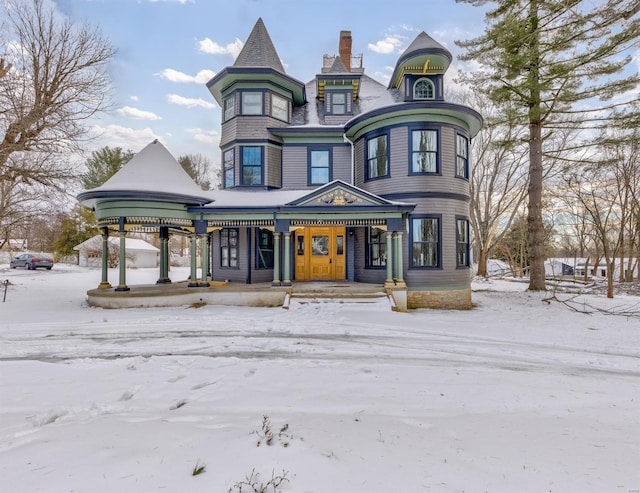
column 517, row 395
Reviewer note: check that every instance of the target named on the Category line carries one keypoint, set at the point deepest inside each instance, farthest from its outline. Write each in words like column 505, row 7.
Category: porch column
column 276, row 259
column 391, row 260
column 399, row 265
column 104, row 284
column 287, row 259
column 164, row 256
column 193, row 252
column 205, row 260
column 122, row 263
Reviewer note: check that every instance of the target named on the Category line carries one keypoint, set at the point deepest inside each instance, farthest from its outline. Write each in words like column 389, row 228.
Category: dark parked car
column 32, row 261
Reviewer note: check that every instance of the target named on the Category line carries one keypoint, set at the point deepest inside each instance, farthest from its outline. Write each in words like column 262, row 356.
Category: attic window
column 339, row 103
column 423, row 89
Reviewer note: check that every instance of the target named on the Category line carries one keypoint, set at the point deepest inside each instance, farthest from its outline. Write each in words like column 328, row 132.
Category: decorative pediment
column 339, row 194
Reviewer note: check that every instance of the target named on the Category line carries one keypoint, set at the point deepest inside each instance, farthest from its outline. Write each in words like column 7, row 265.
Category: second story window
column 377, row 157
column 424, row 151
column 252, row 103
column 251, row 165
column 319, row 167
column 279, row 108
column 228, row 166
column 424, row 89
column 229, row 108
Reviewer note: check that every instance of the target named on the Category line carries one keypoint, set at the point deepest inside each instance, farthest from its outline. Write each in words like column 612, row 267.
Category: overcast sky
column 168, row 50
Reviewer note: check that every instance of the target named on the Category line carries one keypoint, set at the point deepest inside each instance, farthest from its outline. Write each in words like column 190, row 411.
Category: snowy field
column 517, row 395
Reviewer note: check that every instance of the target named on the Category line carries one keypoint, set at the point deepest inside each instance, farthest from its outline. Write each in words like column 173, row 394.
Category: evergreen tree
column 103, row 164
column 77, row 226
column 562, row 63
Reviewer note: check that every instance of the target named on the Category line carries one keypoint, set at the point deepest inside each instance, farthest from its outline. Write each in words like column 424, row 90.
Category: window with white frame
column 279, row 108
column 462, row 156
column 252, row 103
column 425, row 241
column 377, row 157
column 424, row 151
column 228, row 166
column 424, row 89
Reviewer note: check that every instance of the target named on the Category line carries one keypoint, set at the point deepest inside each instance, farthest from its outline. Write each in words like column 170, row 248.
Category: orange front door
column 320, row 254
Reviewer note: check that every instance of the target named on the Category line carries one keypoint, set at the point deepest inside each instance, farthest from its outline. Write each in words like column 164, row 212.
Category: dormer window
column 339, row 103
column 424, row 89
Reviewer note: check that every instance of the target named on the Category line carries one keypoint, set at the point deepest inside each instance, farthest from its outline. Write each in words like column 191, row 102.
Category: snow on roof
column 258, row 198
column 153, row 169
column 131, row 244
column 372, row 95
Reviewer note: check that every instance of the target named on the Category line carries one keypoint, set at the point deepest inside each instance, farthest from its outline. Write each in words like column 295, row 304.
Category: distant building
column 337, row 179
column 139, row 253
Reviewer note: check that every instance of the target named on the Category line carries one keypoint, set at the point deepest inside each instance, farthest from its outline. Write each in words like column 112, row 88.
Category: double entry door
column 320, row 253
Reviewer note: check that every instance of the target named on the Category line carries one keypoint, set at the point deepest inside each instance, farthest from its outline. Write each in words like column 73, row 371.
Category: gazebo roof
column 153, row 173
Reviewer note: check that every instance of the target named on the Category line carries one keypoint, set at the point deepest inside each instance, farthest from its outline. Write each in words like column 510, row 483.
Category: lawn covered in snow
column 516, row 395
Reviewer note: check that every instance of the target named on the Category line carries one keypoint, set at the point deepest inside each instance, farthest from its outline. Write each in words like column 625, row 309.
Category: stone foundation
column 459, row 299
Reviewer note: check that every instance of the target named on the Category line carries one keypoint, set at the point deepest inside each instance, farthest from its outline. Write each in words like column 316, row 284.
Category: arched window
column 423, row 89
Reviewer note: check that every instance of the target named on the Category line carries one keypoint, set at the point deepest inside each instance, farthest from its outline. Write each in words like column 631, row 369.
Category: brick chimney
column 345, row 49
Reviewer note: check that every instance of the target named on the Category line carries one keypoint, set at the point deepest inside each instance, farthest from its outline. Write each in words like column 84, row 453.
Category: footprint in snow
column 202, row 385
column 178, row 405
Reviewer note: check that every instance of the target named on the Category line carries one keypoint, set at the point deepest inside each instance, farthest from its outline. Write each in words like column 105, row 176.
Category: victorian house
column 339, row 179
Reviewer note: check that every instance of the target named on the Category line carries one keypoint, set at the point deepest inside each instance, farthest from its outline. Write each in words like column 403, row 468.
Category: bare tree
column 597, row 189
column 498, row 183
column 58, row 81
column 561, row 62
column 199, row 169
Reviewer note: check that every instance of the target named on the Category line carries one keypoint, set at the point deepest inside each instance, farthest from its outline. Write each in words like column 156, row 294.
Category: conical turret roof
column 151, row 172
column 259, row 50
column 423, row 56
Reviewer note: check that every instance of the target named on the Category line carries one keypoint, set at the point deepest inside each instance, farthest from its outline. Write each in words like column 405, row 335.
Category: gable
column 339, row 193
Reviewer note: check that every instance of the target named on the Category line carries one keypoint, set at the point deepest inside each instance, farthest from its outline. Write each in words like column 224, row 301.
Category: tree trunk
column 534, row 218
column 482, row 263
column 610, row 268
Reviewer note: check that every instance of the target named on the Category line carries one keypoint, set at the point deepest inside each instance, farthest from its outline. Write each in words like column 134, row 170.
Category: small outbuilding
column 139, row 253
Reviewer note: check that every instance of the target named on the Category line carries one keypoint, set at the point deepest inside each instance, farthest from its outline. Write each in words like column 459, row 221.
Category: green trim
column 143, row 209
